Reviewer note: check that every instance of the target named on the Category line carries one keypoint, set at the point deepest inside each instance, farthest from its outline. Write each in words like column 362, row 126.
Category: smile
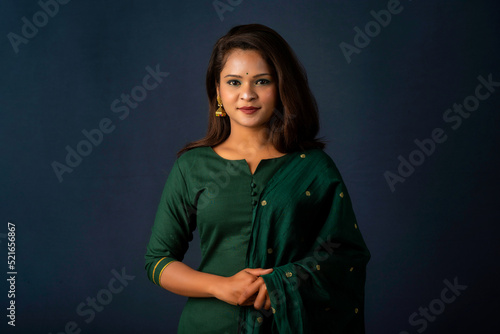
column 248, row 110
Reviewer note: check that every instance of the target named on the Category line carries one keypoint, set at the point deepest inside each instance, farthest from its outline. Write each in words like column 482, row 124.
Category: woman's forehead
column 245, row 61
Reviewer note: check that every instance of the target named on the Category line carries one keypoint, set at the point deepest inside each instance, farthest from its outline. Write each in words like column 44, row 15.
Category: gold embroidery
column 157, row 263
column 161, row 272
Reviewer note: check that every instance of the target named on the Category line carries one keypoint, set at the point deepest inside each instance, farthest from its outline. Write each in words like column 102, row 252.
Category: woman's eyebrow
column 239, row 76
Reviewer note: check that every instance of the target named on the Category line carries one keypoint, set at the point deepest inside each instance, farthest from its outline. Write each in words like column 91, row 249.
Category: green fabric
column 216, row 196
column 306, row 230
column 293, row 233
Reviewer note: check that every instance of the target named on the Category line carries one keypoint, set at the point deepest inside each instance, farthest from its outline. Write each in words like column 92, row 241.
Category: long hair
column 295, row 122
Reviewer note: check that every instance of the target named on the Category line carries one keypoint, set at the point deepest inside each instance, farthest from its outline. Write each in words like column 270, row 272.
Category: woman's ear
column 217, row 88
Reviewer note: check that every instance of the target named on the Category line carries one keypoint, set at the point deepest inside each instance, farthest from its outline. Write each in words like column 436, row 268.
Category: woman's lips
column 249, row 110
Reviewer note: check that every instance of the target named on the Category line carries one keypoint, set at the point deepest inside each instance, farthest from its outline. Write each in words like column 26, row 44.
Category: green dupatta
column 305, row 229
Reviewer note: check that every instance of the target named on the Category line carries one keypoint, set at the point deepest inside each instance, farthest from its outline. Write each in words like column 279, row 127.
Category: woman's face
column 246, row 83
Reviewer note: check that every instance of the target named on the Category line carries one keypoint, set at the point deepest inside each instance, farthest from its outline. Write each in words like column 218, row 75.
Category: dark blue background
column 440, row 224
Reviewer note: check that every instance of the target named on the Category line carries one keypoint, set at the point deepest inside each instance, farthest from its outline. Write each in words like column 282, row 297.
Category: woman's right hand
column 231, row 288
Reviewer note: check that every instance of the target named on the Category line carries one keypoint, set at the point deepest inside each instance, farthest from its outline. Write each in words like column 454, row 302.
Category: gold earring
column 220, row 112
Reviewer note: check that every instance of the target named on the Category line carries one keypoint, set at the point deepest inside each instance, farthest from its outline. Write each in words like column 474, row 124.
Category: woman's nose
column 248, row 93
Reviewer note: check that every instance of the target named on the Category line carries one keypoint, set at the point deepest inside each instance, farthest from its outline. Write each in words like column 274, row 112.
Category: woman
column 281, row 249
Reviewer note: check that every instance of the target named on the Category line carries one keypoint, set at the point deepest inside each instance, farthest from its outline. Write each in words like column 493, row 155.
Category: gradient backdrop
column 409, row 96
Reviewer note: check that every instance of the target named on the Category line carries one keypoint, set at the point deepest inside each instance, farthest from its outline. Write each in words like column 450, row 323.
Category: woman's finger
column 258, row 271
column 261, row 297
column 250, row 291
column 248, row 302
column 267, row 305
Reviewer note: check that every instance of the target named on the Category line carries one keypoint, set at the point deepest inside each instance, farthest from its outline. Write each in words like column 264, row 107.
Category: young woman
column 281, row 249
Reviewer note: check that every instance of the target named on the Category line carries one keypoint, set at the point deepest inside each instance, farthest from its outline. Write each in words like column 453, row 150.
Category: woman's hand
column 262, row 300
column 231, row 289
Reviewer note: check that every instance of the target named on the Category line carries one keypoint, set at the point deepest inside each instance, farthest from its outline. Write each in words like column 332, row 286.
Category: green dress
column 217, row 196
column 293, row 215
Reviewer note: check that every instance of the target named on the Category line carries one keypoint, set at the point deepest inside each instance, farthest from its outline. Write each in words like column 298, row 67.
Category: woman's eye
column 263, row 82
column 233, row 82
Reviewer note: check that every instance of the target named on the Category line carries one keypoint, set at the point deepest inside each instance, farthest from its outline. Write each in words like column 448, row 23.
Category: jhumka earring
column 220, row 112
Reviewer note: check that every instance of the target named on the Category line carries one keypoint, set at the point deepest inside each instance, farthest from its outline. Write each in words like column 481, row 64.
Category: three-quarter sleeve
column 173, row 226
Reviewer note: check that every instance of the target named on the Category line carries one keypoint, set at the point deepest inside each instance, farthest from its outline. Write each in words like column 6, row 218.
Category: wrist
column 214, row 285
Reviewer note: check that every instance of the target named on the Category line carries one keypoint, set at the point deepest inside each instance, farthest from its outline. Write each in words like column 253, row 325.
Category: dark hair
column 295, row 122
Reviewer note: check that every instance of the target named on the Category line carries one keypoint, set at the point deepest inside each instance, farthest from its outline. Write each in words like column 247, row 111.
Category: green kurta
column 294, row 215
column 217, row 196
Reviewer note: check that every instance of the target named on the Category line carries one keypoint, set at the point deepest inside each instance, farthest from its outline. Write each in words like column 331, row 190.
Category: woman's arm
column 181, row 279
column 171, row 233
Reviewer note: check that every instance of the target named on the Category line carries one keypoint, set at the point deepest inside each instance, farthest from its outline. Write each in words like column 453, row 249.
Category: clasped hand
column 246, row 288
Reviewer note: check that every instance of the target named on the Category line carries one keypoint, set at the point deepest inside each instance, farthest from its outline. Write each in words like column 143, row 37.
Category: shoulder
column 317, row 156
column 321, row 162
column 198, row 161
column 192, row 156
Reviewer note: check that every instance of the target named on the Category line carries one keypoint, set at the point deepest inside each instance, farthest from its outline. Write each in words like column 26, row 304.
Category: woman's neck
column 249, row 143
column 256, row 139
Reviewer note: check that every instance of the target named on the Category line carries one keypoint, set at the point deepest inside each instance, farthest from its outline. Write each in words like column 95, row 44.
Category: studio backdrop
column 97, row 97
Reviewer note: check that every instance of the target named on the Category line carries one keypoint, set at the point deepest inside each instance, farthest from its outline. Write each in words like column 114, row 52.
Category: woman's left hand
column 257, row 287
